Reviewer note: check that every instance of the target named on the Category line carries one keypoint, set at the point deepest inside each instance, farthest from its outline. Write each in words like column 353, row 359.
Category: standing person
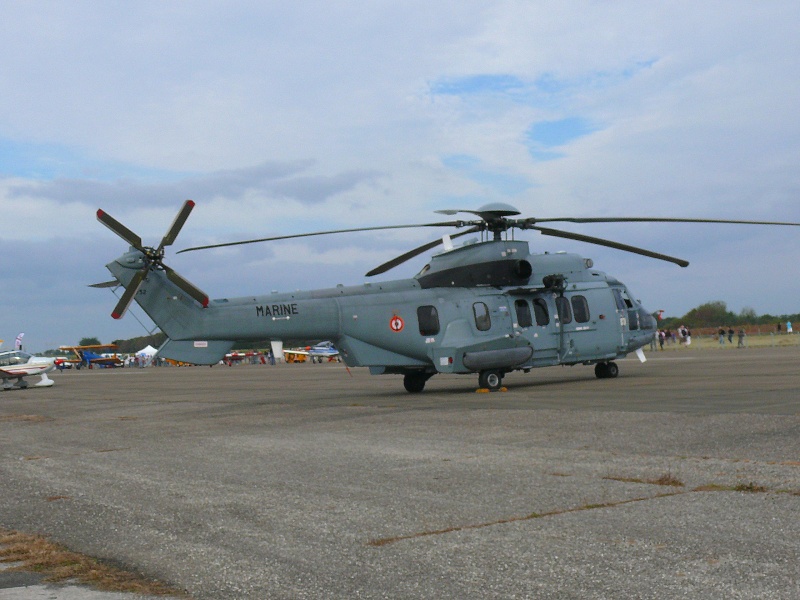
column 788, row 327
column 688, row 337
column 730, row 335
column 661, row 337
column 721, row 333
column 741, row 337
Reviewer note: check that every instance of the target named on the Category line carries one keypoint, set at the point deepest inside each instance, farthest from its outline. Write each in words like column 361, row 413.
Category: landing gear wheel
column 414, row 382
column 607, row 370
column 490, row 379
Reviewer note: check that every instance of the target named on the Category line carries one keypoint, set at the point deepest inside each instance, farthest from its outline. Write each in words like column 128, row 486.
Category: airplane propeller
column 496, row 219
column 153, row 258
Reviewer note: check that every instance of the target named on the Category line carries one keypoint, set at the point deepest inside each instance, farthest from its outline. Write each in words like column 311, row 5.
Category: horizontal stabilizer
column 197, row 352
column 105, row 284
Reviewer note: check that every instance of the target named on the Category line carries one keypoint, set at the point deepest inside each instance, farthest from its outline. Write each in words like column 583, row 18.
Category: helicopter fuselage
column 485, row 307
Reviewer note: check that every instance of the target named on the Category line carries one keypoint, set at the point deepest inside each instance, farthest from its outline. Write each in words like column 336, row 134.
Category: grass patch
column 713, row 487
column 57, row 564
column 24, row 419
column 741, row 487
column 750, row 487
column 666, row 479
column 377, row 543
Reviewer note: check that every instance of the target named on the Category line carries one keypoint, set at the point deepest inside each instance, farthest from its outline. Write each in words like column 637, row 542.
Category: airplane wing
column 301, row 352
column 106, row 360
column 23, row 370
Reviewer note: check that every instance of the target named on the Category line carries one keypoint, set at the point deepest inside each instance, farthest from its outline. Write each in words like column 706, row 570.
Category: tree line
column 716, row 314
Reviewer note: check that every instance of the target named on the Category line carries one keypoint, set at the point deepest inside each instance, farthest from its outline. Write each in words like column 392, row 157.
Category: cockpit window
column 646, row 320
column 16, row 357
column 622, row 299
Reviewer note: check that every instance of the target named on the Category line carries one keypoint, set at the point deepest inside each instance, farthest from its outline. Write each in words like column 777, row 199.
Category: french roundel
column 396, row 324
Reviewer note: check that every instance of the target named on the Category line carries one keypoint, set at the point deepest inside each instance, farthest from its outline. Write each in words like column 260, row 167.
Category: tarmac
column 678, row 479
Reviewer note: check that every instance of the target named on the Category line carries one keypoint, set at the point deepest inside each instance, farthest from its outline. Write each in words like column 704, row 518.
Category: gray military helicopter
column 487, row 307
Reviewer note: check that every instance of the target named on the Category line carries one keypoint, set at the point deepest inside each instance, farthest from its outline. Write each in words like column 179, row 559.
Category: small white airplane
column 317, row 353
column 16, row 364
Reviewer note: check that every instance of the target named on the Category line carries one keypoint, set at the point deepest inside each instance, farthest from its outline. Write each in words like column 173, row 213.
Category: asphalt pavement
column 678, row 479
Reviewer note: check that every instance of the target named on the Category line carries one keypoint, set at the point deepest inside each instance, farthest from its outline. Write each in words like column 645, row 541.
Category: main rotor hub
column 154, row 257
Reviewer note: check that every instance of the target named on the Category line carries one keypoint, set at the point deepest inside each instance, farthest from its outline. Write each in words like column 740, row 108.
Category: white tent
column 146, row 355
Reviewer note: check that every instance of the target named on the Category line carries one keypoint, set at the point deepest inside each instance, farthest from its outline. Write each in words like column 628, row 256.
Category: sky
column 279, row 118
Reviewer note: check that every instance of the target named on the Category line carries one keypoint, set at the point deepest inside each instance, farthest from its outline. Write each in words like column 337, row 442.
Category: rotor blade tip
column 116, row 315
column 190, row 203
column 100, row 213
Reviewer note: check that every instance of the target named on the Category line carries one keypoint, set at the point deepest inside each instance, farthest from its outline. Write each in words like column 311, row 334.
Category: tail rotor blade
column 120, row 229
column 177, row 224
column 187, row 286
column 608, row 243
column 128, row 294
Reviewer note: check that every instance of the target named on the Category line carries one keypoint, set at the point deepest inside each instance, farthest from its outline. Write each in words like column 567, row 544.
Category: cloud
column 272, row 179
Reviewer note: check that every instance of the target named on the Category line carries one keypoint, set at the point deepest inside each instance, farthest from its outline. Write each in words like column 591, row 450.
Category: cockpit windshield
column 16, row 357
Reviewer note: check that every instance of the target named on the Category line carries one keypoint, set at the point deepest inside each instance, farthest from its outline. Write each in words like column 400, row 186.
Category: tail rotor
column 153, row 258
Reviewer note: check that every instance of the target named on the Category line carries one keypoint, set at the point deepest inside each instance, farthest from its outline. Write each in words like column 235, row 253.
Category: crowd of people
column 683, row 336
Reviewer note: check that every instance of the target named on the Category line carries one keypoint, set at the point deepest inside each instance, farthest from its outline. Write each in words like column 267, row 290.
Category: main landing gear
column 607, row 370
column 415, row 382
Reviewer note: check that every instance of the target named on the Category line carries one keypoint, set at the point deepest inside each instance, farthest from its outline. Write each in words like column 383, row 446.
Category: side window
column 523, row 313
column 580, row 308
column 428, row 318
column 540, row 310
column 564, row 311
column 482, row 320
column 618, row 299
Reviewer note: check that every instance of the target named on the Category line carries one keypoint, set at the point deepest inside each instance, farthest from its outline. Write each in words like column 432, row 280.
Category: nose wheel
column 490, row 379
column 607, row 370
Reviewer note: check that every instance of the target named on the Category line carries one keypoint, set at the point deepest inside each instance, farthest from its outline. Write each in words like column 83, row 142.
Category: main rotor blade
column 649, row 220
column 601, row 242
column 302, row 235
column 177, row 224
column 415, row 252
column 187, row 286
column 129, row 293
column 120, row 229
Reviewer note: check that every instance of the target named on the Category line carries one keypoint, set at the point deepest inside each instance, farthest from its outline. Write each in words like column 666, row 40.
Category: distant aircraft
column 87, row 357
column 317, row 353
column 237, row 357
column 16, row 364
